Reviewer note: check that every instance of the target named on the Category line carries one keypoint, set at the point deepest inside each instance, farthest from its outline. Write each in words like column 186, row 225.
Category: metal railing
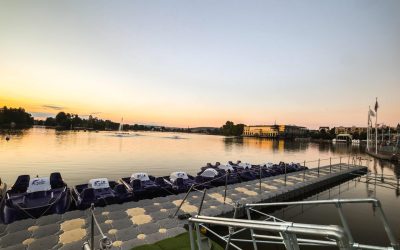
column 286, row 233
column 314, row 169
column 338, row 203
column 104, row 243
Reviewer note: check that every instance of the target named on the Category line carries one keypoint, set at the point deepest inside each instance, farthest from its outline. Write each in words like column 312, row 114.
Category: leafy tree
column 15, row 117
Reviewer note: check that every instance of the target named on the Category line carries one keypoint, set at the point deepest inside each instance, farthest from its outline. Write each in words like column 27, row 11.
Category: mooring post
column 330, row 164
column 319, row 163
column 92, row 227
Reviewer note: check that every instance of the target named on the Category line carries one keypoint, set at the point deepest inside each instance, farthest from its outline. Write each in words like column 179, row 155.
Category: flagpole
column 368, row 129
column 376, row 126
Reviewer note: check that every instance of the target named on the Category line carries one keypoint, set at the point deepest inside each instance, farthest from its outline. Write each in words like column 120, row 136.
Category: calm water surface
column 80, row 156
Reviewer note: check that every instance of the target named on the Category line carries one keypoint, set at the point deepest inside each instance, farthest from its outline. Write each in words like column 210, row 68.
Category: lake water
column 80, row 156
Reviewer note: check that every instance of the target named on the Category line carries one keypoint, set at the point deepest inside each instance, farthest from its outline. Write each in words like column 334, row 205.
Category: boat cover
column 268, row 165
column 39, row 184
column 176, row 175
column 226, row 167
column 99, row 183
column 209, row 173
column 244, row 165
column 140, row 176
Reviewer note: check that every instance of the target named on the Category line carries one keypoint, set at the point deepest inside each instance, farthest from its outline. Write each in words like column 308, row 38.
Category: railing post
column 192, row 247
column 285, row 174
column 340, row 163
column 202, row 200
column 348, row 162
column 319, row 163
column 304, row 172
column 260, row 179
column 330, row 164
column 226, row 186
column 92, row 227
column 187, row 194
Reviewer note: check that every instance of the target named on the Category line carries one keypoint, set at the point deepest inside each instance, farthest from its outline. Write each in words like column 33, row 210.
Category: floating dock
column 133, row 224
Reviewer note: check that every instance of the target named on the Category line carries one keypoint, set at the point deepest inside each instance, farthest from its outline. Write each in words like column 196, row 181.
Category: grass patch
column 180, row 242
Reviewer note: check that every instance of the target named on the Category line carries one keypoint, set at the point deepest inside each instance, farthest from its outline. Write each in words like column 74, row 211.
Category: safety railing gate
column 104, row 243
column 277, row 231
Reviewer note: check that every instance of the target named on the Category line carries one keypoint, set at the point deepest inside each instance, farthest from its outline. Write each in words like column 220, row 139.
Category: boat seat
column 179, row 182
column 56, row 180
column 160, row 181
column 120, row 189
column 88, row 194
column 136, row 184
column 21, row 184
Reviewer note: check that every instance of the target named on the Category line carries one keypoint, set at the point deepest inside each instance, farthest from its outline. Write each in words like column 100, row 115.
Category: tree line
column 15, row 118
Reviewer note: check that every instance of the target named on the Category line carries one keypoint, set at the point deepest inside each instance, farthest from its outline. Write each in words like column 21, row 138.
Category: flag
column 376, row 105
column 371, row 113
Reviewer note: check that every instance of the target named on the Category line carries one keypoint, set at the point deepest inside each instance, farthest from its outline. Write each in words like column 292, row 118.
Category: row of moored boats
column 34, row 197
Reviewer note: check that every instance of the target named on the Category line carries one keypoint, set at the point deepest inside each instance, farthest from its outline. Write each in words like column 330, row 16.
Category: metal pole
column 344, row 223
column 226, row 186
column 191, row 236
column 285, row 174
column 340, row 163
column 304, row 172
column 198, row 236
column 251, row 230
column 319, row 162
column 260, row 179
column 92, row 228
column 330, row 164
column 202, row 200
column 231, row 229
column 388, row 230
column 187, row 194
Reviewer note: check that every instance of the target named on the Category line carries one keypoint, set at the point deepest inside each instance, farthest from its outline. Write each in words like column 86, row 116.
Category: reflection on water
column 83, row 155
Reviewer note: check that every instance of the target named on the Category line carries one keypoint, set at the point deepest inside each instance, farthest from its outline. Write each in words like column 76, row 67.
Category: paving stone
column 161, row 215
column 151, row 208
column 73, row 215
column 104, row 227
column 44, row 243
column 117, row 215
column 47, row 230
column 15, row 247
column 49, row 219
column 175, row 231
column 19, row 225
column 73, row 246
column 167, row 223
column 14, row 238
column 148, row 228
column 167, row 205
column 120, row 224
column 127, row 234
column 128, row 245
column 155, row 237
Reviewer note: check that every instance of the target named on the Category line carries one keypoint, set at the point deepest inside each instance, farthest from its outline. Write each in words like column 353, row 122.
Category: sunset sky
column 200, row 63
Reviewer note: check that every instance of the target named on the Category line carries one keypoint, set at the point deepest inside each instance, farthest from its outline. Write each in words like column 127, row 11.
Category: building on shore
column 275, row 131
column 350, row 130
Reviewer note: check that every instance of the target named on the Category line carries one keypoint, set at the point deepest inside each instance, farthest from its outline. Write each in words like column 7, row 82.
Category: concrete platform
column 147, row 221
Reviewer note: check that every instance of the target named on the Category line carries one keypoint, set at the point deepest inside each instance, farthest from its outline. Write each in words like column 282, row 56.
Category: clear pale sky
column 200, row 63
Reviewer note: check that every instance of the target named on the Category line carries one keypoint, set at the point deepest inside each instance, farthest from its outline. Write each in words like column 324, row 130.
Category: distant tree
column 230, row 129
column 15, row 117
